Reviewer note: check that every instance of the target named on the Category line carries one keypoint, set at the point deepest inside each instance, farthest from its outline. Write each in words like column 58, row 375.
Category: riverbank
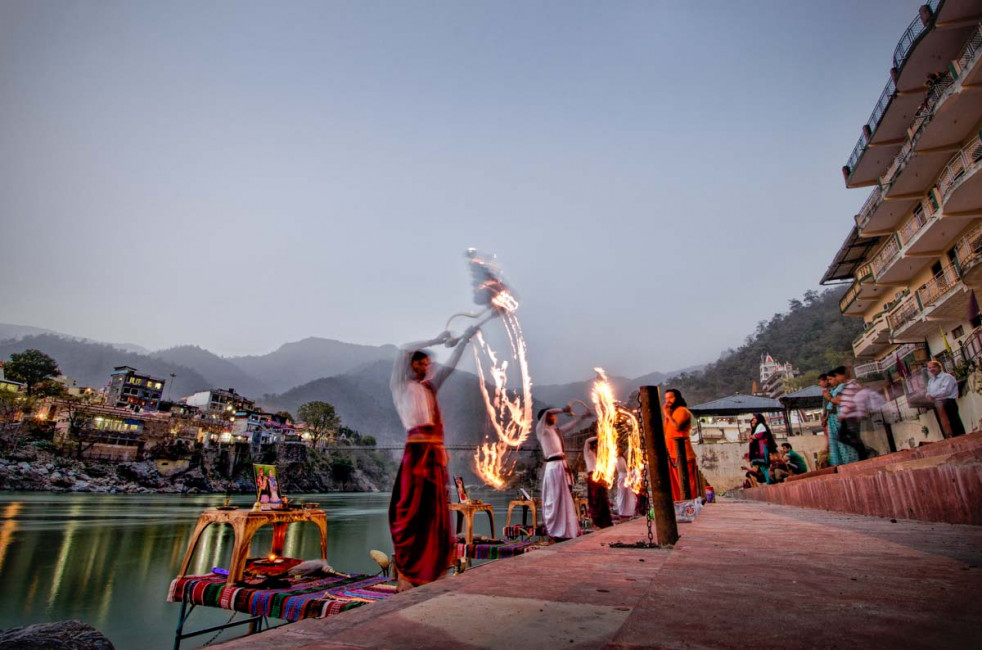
column 821, row 579
column 34, row 468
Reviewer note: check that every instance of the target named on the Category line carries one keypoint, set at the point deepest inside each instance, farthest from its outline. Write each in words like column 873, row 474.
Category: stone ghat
column 941, row 482
column 828, row 579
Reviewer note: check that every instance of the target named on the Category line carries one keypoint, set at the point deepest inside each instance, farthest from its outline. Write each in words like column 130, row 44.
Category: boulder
column 67, row 635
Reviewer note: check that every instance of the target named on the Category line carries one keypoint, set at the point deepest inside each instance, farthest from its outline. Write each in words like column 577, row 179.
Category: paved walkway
column 743, row 575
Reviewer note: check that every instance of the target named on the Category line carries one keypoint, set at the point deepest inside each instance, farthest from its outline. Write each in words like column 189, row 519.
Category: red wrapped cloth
column 419, row 513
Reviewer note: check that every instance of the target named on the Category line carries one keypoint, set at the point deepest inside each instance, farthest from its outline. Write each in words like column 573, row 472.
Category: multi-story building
column 773, row 375
column 914, row 254
column 130, row 389
column 219, row 401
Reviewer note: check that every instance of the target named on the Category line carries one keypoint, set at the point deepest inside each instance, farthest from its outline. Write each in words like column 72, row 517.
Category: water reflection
column 109, row 559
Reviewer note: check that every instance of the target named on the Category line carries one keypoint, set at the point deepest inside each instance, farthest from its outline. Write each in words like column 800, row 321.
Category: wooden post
column 662, row 504
column 683, row 469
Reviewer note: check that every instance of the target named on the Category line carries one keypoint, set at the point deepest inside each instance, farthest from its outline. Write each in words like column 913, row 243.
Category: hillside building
column 220, row 402
column 913, row 255
column 773, row 376
column 130, row 389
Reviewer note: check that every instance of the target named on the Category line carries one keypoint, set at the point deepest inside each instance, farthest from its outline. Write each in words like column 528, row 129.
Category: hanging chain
column 650, row 514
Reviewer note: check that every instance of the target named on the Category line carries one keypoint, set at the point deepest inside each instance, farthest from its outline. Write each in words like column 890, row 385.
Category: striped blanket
column 515, row 531
column 494, row 551
column 302, row 599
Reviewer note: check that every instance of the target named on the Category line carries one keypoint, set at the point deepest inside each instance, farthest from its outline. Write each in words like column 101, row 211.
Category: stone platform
column 745, row 574
column 940, row 481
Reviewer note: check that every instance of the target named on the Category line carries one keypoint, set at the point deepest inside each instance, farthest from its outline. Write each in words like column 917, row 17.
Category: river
column 109, row 559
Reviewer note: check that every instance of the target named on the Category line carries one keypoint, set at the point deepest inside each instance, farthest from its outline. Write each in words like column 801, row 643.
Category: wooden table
column 525, row 505
column 244, row 524
column 465, row 514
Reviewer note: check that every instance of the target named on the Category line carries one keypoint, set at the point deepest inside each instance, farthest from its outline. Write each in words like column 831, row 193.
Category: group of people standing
column 419, row 514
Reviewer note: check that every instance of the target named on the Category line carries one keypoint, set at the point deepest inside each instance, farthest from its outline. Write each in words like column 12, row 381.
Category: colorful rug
column 494, row 551
column 515, row 531
column 304, row 598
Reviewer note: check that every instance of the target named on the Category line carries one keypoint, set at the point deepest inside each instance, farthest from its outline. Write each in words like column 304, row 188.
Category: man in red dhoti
column 419, row 513
column 678, row 422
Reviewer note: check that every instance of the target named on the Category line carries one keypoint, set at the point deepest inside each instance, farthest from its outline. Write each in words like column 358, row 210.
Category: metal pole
column 662, row 504
column 683, row 468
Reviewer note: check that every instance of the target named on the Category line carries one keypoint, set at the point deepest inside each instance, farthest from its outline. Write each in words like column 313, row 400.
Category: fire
column 613, row 420
column 509, row 411
column 606, row 409
column 489, row 461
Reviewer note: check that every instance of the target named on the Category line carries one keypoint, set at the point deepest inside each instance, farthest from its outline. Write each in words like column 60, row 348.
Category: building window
column 958, row 332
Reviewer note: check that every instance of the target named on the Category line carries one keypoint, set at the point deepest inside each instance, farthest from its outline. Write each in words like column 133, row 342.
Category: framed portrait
column 267, row 488
column 458, row 481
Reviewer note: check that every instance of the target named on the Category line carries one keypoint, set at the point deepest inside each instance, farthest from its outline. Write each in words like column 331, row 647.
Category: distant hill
column 220, row 373
column 558, row 395
column 90, row 363
column 300, row 362
column 813, row 335
column 9, row 331
column 363, row 400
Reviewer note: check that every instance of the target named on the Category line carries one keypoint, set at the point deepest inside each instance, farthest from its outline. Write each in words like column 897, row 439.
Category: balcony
column 968, row 252
column 874, row 339
column 905, row 320
column 944, row 297
column 879, row 215
column 908, row 353
column 935, row 35
column 959, row 185
column 890, row 267
column 862, row 293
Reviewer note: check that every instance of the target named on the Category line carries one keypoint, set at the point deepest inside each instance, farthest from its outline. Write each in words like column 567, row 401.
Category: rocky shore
column 33, row 469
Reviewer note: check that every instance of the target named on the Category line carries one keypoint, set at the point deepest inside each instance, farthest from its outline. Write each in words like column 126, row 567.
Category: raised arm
column 572, row 424
column 445, row 369
column 402, row 372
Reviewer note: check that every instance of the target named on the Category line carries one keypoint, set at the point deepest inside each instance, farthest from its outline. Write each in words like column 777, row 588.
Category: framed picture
column 522, row 494
column 461, row 490
column 267, row 489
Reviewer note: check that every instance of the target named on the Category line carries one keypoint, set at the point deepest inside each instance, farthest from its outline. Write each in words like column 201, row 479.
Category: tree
column 320, row 419
column 30, row 367
column 368, row 441
column 341, row 470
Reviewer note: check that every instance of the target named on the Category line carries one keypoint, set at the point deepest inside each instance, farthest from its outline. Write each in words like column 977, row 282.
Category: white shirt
column 415, row 404
column 548, row 439
column 942, row 386
column 590, row 456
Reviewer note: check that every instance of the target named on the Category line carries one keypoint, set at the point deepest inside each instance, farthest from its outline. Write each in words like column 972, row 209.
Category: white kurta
column 558, row 509
column 626, row 500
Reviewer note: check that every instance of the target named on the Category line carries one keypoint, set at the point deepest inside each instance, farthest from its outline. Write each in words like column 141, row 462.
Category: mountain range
column 354, row 378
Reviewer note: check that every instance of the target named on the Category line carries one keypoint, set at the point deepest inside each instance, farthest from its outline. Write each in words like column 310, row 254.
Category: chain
column 650, row 515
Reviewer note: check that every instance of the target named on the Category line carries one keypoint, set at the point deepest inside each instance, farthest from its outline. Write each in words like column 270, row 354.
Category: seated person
column 795, row 461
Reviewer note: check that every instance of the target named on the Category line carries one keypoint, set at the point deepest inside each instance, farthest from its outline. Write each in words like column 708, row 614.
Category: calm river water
column 109, row 559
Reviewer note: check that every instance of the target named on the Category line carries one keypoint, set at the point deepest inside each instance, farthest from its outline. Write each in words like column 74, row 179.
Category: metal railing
column 863, row 277
column 960, row 164
column 968, row 250
column 939, row 285
column 887, row 254
column 911, row 35
column 904, row 313
column 888, row 362
column 908, row 39
column 872, row 203
column 916, row 223
column 967, row 56
column 873, row 329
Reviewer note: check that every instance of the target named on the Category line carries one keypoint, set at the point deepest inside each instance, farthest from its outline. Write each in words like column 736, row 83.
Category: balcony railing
column 885, row 256
column 871, row 330
column 904, row 313
column 916, row 223
column 960, row 163
column 939, row 285
column 889, row 361
column 968, row 250
column 866, row 212
column 907, row 41
column 863, row 276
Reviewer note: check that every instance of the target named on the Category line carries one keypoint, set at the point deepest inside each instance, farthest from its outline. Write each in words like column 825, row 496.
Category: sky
column 654, row 178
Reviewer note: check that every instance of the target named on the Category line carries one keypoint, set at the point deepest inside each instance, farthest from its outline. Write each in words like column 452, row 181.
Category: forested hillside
column 813, row 335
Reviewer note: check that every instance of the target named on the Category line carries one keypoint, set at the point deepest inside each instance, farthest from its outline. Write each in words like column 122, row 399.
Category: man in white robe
column 558, row 508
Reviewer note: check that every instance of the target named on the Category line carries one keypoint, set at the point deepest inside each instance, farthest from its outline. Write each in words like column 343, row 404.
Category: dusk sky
column 654, row 177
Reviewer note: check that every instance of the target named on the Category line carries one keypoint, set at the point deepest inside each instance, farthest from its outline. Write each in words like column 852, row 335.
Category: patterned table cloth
column 303, row 598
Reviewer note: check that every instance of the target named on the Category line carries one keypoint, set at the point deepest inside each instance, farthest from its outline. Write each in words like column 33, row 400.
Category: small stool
column 525, row 505
column 465, row 515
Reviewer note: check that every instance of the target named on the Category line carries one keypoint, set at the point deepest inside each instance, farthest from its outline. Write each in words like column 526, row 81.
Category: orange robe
column 677, row 426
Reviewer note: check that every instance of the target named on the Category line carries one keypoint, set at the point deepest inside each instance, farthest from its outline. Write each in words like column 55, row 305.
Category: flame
column 509, row 411
column 489, row 463
column 606, row 409
column 635, row 459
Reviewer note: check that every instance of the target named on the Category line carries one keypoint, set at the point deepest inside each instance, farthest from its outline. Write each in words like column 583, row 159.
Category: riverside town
column 491, row 324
